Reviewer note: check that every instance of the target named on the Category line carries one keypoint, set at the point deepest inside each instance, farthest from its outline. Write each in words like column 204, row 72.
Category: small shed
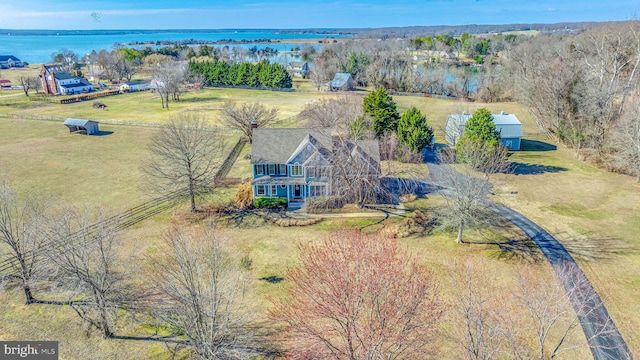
column 508, row 125
column 510, row 129
column 133, row 86
column 342, row 81
column 90, row 127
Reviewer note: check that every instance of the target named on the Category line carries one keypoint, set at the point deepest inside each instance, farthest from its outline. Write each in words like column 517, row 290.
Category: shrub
column 319, row 205
column 244, row 196
column 408, row 198
column 270, row 203
column 246, row 262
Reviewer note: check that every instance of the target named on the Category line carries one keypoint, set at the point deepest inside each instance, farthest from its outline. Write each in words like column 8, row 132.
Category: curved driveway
column 605, row 341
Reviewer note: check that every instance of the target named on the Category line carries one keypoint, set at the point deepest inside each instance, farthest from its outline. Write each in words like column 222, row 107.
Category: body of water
column 37, row 49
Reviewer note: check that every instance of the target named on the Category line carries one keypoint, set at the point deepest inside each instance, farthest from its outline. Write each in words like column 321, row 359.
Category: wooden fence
column 126, row 219
column 230, row 160
column 136, row 214
column 89, row 96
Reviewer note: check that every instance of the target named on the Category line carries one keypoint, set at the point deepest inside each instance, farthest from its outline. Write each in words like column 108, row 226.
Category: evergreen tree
column 480, row 138
column 381, row 107
column 242, row 75
column 254, row 75
column 414, row 131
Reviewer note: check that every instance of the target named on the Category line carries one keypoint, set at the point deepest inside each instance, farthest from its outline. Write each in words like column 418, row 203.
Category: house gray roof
column 8, row 57
column 56, row 68
column 137, row 82
column 340, row 80
column 366, row 149
column 78, row 122
column 276, row 146
column 63, row 76
column 96, row 72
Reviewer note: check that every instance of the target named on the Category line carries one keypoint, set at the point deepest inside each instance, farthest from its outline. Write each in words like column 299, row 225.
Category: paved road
column 605, row 341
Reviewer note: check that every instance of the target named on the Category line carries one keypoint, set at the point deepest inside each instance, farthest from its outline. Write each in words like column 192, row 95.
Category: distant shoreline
column 265, row 41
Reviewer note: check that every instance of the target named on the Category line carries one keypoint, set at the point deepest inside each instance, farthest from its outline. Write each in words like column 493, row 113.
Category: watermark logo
column 37, row 350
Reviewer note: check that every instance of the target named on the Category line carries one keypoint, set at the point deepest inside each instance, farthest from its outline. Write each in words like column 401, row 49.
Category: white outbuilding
column 508, row 125
column 88, row 127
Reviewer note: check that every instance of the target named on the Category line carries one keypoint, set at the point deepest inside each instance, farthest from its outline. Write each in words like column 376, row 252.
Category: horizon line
column 327, row 28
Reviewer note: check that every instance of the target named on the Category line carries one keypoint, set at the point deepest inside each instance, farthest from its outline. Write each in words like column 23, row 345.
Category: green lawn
column 145, row 107
column 594, row 213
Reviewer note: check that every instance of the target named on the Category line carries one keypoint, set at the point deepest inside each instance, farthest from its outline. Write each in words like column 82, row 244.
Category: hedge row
column 262, row 74
column 270, row 203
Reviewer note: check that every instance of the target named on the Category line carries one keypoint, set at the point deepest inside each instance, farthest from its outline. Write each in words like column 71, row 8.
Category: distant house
column 55, row 81
column 298, row 68
column 96, row 75
column 5, row 83
column 9, row 61
column 296, row 163
column 508, row 125
column 133, row 86
column 342, row 81
column 88, row 126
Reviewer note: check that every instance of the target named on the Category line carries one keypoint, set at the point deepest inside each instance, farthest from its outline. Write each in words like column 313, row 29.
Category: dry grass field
column 595, row 214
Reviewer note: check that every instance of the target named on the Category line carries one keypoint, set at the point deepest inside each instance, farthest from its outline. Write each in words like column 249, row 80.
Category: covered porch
column 295, row 190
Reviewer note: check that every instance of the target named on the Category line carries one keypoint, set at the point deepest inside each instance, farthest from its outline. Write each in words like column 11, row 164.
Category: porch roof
column 278, row 180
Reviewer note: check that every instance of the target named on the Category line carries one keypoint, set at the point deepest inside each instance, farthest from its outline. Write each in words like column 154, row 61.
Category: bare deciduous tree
column 22, row 238
column 486, row 326
column 29, row 82
column 359, row 296
column 355, row 171
column 628, row 148
column 125, row 68
column 240, row 116
column 551, row 314
column 483, row 330
column 185, row 155
column 203, row 294
column 335, row 113
column 86, row 257
column 168, row 78
column 468, row 183
column 325, row 67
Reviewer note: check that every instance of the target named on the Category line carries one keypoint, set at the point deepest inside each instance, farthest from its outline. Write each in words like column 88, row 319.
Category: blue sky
column 214, row 14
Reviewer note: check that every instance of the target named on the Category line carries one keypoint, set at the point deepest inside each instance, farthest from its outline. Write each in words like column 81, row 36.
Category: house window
column 317, row 190
column 283, row 186
column 321, row 172
column 296, row 170
column 259, row 169
column 311, row 172
column 274, row 190
column 261, row 190
column 272, row 169
column 283, row 169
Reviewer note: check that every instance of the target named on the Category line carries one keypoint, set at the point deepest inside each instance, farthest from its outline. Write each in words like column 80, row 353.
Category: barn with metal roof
column 89, row 127
column 508, row 125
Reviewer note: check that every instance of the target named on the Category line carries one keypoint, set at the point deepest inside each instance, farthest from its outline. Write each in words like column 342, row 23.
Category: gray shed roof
column 508, row 124
column 340, row 80
column 78, row 122
column 276, row 146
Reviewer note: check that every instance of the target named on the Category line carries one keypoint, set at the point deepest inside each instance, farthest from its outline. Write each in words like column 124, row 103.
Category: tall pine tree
column 381, row 107
column 414, row 131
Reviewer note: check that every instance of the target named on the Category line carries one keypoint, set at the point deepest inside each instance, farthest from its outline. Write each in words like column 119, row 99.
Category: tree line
column 262, row 74
column 584, row 91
